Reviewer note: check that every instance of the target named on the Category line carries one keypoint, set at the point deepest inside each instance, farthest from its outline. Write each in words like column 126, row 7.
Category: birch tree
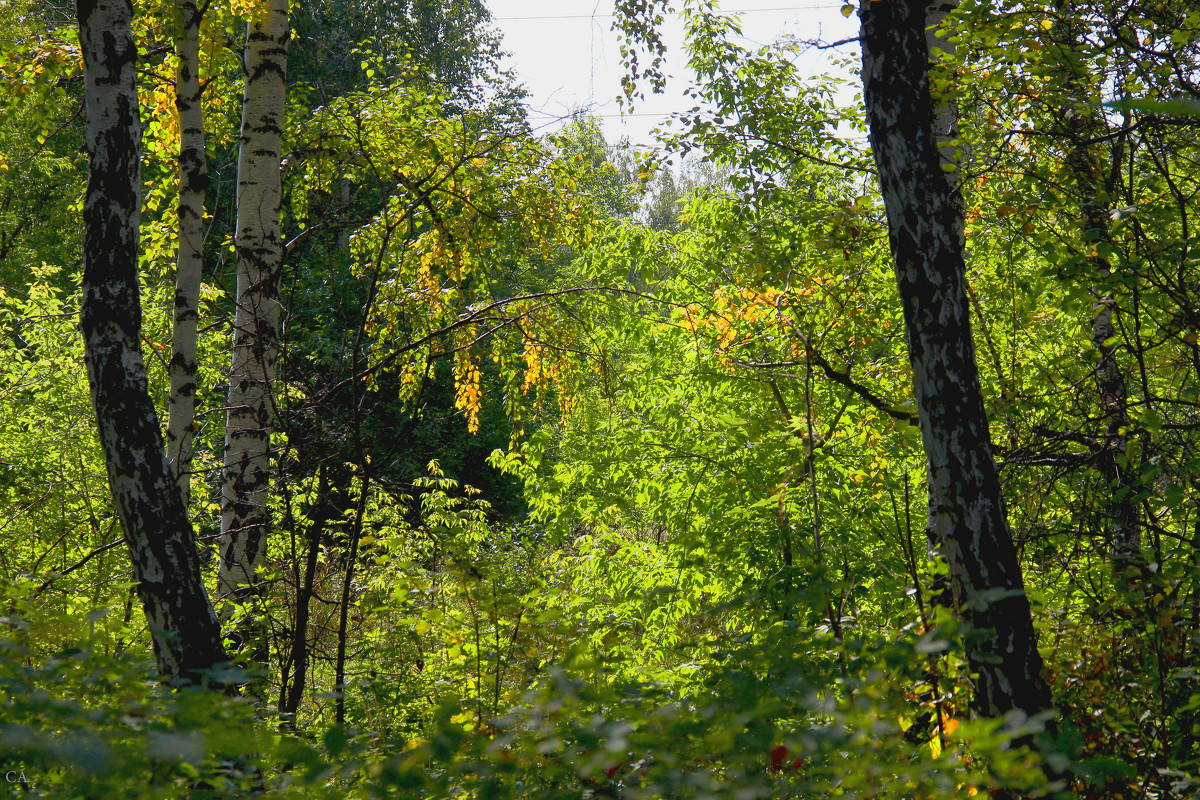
column 258, row 239
column 967, row 520
column 183, row 626
column 193, row 181
column 1084, row 133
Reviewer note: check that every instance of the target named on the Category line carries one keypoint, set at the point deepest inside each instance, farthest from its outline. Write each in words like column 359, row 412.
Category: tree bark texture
column 1082, row 129
column 967, row 519
column 1124, row 519
column 945, row 114
column 245, row 517
column 193, row 182
column 294, row 676
column 339, row 669
column 184, row 628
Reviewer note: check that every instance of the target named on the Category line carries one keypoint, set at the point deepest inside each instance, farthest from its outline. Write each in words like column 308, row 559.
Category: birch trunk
column 184, row 628
column 1083, row 128
column 245, row 518
column 945, row 114
column 1124, row 520
column 967, row 519
column 193, row 182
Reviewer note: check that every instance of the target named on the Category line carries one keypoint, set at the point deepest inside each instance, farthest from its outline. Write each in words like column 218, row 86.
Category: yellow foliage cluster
column 35, row 62
column 428, row 285
column 462, row 204
column 248, row 9
column 540, row 369
column 163, row 127
column 736, row 316
column 468, row 392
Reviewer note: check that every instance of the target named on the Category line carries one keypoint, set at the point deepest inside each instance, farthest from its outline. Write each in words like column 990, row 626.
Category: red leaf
column 778, row 757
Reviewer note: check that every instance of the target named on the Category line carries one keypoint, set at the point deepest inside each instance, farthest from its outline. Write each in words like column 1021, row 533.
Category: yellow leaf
column 245, row 8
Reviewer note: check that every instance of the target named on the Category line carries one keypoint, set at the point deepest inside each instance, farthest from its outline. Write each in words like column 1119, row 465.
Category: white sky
column 568, row 56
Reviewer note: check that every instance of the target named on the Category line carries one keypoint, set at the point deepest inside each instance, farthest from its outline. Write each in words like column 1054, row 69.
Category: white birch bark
column 1084, row 128
column 245, row 518
column 967, row 520
column 945, row 114
column 183, row 627
column 193, row 181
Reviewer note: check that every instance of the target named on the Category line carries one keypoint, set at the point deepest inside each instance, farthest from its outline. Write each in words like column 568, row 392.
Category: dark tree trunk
column 967, row 519
column 187, row 640
column 339, row 671
column 295, row 672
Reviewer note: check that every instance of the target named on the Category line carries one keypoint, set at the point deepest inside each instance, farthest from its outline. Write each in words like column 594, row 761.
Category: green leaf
column 1181, row 107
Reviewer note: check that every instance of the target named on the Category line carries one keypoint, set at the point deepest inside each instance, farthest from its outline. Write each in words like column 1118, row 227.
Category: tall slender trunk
column 295, row 673
column 1083, row 128
column 187, row 639
column 355, row 535
column 193, row 182
column 967, row 519
column 245, row 517
column 1124, row 520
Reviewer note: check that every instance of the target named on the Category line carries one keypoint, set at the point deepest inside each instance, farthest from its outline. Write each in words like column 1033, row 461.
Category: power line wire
column 671, row 13
column 613, row 115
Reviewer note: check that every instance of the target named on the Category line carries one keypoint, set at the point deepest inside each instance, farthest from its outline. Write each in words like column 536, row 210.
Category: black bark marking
column 967, row 518
column 154, row 522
